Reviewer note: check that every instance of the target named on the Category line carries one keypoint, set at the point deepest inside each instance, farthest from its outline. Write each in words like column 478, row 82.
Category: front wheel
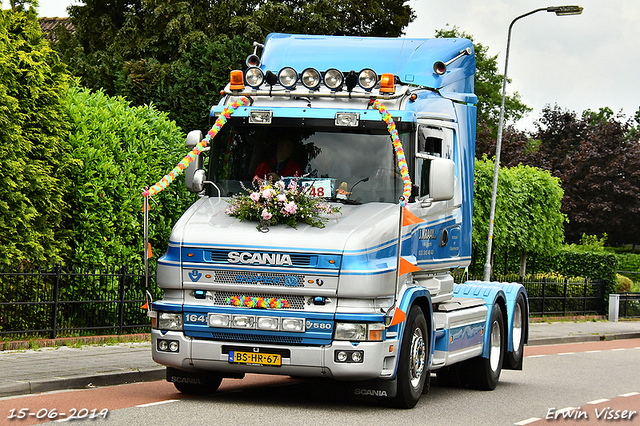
column 413, row 371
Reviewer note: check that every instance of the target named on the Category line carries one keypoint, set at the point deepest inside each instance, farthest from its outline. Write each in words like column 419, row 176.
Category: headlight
column 268, row 323
column 170, row 321
column 243, row 321
column 356, row 332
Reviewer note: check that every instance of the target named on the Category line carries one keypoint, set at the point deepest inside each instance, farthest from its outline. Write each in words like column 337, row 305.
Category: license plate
column 236, row 357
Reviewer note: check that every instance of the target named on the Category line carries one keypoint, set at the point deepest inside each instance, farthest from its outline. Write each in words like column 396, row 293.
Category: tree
column 488, row 87
column 147, row 49
column 528, row 211
column 35, row 164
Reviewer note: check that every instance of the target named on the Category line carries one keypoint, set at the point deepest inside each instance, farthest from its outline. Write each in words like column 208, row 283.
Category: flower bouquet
column 270, row 203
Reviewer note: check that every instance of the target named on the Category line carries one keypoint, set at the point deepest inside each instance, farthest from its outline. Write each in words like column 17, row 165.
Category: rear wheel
column 484, row 373
column 513, row 359
column 413, row 372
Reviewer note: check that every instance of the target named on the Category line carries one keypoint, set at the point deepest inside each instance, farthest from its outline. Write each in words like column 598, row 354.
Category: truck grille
column 241, row 337
column 295, row 302
column 258, row 279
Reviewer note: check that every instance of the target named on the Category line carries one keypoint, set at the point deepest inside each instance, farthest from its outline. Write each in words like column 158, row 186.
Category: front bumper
column 379, row 360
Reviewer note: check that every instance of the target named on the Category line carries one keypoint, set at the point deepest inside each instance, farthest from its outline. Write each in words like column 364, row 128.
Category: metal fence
column 629, row 305
column 558, row 296
column 61, row 301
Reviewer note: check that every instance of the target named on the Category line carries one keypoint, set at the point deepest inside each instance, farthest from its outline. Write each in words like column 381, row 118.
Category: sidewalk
column 48, row 369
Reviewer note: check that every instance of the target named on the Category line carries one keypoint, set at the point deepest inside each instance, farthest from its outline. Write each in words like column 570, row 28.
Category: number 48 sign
column 319, row 187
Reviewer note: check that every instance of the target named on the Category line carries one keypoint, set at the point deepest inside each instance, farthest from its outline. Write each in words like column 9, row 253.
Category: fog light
column 356, row 356
column 341, row 356
column 219, row 320
column 163, row 345
column 293, row 324
column 242, row 321
column 268, row 323
column 173, row 346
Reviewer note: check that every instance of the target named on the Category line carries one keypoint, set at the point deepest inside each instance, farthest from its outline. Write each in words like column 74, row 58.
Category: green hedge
column 572, row 262
column 629, row 262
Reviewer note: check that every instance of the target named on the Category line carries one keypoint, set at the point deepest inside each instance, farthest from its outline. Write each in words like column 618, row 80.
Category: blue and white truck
column 369, row 299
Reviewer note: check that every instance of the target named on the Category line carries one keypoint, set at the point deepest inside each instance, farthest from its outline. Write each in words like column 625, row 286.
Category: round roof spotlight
column 254, row 77
column 439, row 67
column 288, row 77
column 310, row 78
column 333, row 79
column 367, row 79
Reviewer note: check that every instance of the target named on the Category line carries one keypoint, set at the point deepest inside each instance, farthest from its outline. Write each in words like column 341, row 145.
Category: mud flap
column 200, row 377
column 379, row 388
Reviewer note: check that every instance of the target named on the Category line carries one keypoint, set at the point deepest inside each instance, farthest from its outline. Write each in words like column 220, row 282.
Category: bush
column 624, row 284
column 120, row 149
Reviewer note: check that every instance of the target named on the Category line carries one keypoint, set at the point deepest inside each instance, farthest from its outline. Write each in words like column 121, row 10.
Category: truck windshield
column 341, row 166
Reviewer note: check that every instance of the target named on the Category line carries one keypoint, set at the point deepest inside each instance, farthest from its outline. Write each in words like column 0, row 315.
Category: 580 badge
column 317, row 325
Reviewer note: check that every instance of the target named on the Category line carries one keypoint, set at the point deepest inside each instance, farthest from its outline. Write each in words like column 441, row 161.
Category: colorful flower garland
column 258, row 302
column 397, row 145
column 188, row 159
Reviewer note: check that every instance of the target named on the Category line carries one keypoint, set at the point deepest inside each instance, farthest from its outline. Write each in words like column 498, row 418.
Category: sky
column 588, row 61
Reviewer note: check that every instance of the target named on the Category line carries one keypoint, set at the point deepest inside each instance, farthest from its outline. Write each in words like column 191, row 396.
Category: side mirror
column 194, row 174
column 441, row 179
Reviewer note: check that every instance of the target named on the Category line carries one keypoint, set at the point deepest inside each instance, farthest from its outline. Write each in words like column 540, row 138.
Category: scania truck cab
column 368, row 299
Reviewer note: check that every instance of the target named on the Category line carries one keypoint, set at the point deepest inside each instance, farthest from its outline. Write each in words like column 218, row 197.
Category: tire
column 413, row 374
column 484, row 373
column 513, row 360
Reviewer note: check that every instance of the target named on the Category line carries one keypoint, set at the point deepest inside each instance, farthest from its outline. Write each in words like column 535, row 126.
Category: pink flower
column 290, row 208
column 282, row 198
column 293, row 185
column 255, row 196
column 266, row 215
column 279, row 184
column 268, row 193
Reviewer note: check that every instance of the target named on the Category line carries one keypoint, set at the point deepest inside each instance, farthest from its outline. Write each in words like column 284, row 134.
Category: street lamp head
column 565, row 10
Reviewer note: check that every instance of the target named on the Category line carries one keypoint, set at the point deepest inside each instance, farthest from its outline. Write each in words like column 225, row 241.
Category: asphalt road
column 582, row 376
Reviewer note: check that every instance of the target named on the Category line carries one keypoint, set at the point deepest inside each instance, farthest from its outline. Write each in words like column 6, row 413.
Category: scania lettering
column 384, row 129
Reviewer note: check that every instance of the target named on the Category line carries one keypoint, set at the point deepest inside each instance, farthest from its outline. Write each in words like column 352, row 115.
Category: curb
column 81, row 382
column 543, row 341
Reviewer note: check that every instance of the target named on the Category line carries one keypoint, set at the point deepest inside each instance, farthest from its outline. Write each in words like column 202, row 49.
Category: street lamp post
column 559, row 11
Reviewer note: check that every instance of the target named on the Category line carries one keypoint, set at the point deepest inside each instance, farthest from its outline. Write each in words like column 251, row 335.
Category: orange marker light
column 387, row 83
column 236, row 80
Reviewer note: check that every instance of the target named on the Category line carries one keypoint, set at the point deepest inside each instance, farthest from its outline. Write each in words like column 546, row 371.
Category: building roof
column 48, row 26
